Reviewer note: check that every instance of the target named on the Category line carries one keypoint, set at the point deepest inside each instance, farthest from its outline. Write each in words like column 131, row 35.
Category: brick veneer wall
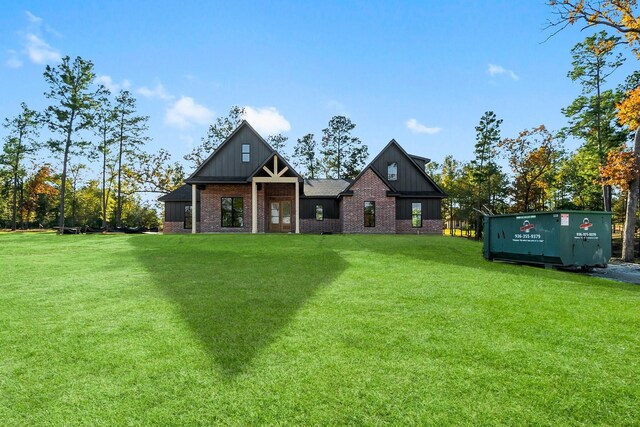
column 262, row 215
column 169, row 227
column 324, row 226
column 211, row 210
column 370, row 188
column 210, row 203
column 429, row 226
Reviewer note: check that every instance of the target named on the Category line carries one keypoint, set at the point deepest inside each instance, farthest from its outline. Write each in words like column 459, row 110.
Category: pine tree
column 344, row 155
column 129, row 136
column 304, row 154
column 72, row 111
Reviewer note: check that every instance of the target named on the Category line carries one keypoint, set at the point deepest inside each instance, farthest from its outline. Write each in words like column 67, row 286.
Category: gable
column 180, row 194
column 410, row 178
column 276, row 166
column 369, row 179
column 226, row 162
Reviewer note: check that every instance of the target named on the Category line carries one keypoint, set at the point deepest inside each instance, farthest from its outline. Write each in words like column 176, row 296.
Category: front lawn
column 306, row 330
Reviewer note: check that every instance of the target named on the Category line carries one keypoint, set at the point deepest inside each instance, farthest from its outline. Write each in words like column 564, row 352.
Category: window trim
column 413, row 225
column 234, row 212
column 246, row 152
column 321, row 212
column 389, row 176
column 189, row 216
column 372, row 222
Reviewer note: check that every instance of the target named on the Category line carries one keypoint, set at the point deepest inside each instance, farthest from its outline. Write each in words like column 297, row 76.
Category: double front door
column 279, row 216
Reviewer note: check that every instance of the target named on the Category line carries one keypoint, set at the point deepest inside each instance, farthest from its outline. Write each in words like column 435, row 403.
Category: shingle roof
column 324, row 187
column 181, row 194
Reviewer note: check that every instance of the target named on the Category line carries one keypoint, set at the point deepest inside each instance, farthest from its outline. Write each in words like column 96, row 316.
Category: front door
column 279, row 216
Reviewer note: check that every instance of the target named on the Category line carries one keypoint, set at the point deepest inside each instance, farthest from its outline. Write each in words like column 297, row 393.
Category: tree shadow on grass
column 237, row 292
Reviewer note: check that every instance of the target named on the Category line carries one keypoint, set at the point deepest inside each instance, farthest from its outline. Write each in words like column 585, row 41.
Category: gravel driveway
column 620, row 271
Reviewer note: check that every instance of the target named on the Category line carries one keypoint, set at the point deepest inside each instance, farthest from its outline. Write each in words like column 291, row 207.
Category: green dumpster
column 555, row 238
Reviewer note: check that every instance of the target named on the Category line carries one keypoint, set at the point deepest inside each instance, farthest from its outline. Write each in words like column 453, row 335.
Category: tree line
column 602, row 174
column 87, row 126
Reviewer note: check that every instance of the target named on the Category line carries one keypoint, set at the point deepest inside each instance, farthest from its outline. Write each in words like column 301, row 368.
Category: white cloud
column 185, row 112
column 267, row 120
column 157, row 92
column 495, row 70
column 35, row 47
column 33, row 18
column 39, row 50
column 14, row 61
column 108, row 82
column 415, row 127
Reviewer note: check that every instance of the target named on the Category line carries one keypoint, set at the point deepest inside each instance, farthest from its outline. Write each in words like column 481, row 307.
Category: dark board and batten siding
column 330, row 207
column 174, row 211
column 430, row 208
column 410, row 178
column 228, row 161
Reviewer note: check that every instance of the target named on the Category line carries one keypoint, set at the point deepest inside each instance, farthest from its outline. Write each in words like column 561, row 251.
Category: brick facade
column 429, row 226
column 369, row 188
column 211, row 209
column 324, row 226
column 177, row 227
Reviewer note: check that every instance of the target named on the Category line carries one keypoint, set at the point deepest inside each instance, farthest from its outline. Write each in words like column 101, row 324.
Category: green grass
column 306, row 330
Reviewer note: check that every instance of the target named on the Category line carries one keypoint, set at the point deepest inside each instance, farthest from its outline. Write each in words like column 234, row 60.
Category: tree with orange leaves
column 629, row 115
column 41, row 192
column 621, row 15
column 531, row 156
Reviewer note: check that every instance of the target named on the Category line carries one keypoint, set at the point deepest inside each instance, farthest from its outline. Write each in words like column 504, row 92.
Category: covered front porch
column 268, row 201
column 279, row 188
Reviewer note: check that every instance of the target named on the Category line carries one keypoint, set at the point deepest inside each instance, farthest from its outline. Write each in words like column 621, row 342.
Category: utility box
column 555, row 238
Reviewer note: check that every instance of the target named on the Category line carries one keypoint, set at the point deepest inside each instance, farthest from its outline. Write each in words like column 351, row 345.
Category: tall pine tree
column 129, row 136
column 344, row 155
column 74, row 99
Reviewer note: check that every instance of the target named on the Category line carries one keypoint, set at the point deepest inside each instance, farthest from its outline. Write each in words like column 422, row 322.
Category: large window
column 416, row 215
column 232, row 208
column 187, row 216
column 392, row 171
column 369, row 214
column 319, row 212
column 246, row 153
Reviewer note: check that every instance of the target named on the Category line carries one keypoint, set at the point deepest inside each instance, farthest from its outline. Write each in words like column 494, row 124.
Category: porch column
column 254, row 207
column 194, row 206
column 297, row 207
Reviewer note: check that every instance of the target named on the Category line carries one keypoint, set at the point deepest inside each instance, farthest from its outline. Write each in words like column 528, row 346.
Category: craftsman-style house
column 246, row 186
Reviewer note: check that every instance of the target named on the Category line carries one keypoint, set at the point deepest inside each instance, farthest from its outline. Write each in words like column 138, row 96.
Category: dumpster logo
column 586, row 224
column 526, row 226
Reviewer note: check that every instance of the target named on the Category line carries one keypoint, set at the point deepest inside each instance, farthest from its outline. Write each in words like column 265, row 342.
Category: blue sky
column 422, row 72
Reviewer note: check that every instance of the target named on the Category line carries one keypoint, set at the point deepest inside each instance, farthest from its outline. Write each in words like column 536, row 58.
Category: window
column 416, row 215
column 232, row 208
column 392, row 171
column 246, row 153
column 369, row 214
column 187, row 216
column 319, row 212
